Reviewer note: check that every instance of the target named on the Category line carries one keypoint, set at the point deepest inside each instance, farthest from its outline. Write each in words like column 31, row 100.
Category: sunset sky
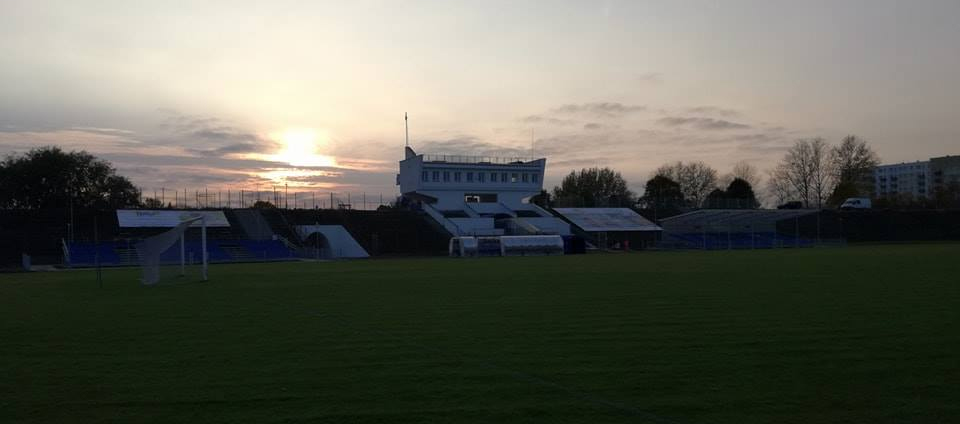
column 228, row 94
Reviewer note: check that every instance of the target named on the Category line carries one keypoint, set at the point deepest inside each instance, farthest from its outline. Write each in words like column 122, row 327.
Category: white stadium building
column 478, row 196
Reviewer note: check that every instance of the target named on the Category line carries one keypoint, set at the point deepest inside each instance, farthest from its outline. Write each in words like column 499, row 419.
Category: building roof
column 607, row 219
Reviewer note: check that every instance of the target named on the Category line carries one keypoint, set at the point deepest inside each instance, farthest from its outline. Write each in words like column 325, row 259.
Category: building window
column 513, row 178
column 481, row 176
column 469, row 177
column 493, row 177
column 436, row 176
column 425, row 176
column 480, row 197
column 503, row 177
column 526, row 177
column 534, row 177
column 446, row 176
column 456, row 176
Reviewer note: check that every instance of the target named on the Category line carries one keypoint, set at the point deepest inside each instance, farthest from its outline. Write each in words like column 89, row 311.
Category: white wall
column 342, row 244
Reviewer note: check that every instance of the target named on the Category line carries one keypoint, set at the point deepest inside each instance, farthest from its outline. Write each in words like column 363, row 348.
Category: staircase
column 280, row 226
column 382, row 232
column 237, row 252
column 128, row 255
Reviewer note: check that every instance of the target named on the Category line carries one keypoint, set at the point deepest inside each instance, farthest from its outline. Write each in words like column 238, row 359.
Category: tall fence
column 280, row 197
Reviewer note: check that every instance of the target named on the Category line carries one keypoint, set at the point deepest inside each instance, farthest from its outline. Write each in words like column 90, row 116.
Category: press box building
column 478, row 196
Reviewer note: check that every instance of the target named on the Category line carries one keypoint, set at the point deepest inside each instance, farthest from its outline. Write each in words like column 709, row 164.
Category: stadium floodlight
column 152, row 248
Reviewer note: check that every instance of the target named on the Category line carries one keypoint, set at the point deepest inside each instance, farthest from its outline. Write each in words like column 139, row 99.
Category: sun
column 300, row 148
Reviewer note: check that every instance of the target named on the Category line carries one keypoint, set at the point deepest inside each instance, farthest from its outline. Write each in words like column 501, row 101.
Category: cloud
column 601, row 109
column 595, row 126
column 651, row 77
column 581, row 162
column 235, row 148
column 210, row 136
column 104, row 131
column 701, row 123
column 538, row 119
column 713, row 110
column 471, row 146
column 592, row 126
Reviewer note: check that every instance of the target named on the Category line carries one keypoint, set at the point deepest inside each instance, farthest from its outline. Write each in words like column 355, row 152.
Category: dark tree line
column 48, row 177
column 672, row 188
column 593, row 187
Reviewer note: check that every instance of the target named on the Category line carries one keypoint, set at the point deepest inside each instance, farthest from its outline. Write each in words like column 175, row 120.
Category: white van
column 856, row 203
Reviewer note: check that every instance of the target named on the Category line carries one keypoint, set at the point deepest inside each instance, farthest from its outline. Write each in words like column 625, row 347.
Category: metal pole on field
column 796, row 236
column 183, row 256
column 203, row 245
column 96, row 247
column 331, row 200
column 819, row 240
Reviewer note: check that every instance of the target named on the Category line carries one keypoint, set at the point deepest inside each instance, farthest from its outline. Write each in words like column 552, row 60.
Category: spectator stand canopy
column 620, row 228
column 741, row 229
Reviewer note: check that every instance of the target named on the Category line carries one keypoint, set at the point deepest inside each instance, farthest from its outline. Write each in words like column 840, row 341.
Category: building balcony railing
column 477, row 159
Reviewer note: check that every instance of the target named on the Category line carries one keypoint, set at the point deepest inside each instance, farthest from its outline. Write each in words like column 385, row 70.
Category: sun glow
column 300, row 148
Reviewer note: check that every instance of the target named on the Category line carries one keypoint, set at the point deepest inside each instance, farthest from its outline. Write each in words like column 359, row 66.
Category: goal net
column 163, row 252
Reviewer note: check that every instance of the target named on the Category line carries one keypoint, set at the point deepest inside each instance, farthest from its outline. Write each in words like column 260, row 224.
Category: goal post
column 151, row 249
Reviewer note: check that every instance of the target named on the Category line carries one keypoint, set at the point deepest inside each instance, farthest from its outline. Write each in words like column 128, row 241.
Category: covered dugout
column 616, row 228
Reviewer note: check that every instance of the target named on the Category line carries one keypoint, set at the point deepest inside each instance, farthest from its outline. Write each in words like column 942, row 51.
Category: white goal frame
column 161, row 242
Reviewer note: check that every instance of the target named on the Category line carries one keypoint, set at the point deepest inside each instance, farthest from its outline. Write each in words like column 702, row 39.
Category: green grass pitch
column 860, row 334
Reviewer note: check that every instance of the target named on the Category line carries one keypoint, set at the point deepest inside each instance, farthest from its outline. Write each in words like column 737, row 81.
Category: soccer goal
column 158, row 254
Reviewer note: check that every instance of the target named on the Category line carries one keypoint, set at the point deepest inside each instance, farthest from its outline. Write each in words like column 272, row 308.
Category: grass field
column 860, row 335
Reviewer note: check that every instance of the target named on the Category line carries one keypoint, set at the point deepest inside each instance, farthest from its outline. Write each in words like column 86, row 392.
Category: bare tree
column 696, row 179
column 745, row 171
column 852, row 164
column 806, row 167
column 821, row 170
column 779, row 188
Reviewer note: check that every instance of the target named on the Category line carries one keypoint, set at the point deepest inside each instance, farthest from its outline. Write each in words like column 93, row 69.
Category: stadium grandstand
column 737, row 229
column 84, row 238
column 618, row 228
column 478, row 196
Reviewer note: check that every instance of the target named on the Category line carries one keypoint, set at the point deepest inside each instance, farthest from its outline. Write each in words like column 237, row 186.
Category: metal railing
column 477, row 159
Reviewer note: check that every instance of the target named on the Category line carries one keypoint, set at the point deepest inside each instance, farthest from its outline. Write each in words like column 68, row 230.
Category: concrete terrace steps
column 237, row 252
